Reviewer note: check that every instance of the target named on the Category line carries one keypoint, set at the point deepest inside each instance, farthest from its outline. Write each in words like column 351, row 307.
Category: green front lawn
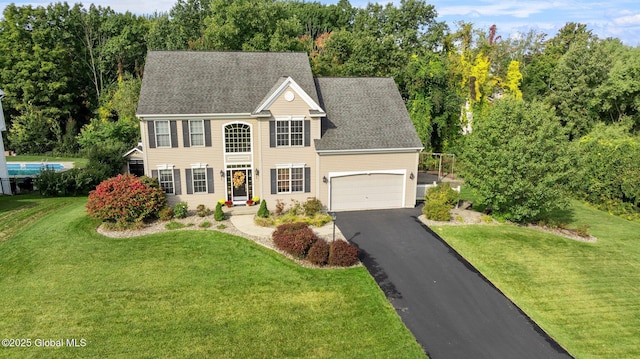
column 585, row 295
column 187, row 294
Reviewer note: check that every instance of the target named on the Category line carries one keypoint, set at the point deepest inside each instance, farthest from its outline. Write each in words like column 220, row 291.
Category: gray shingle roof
column 364, row 113
column 205, row 82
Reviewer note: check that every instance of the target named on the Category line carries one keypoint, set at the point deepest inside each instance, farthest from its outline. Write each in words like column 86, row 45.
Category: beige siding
column 330, row 165
column 271, row 157
column 182, row 158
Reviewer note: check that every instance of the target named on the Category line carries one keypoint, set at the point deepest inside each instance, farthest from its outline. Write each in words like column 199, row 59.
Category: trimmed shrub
column 312, row 206
column 319, row 253
column 166, row 213
column 203, row 211
column 342, row 254
column 218, row 215
column 438, row 201
column 294, row 238
column 124, row 198
column 181, row 210
column 263, row 212
column 437, row 211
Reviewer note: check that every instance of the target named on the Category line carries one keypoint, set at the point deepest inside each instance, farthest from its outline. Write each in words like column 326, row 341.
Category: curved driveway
column 452, row 310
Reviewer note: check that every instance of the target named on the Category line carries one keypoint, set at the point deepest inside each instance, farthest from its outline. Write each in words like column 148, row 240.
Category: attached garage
column 367, row 191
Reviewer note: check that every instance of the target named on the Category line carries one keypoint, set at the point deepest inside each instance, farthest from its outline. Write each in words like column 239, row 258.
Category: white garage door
column 367, row 191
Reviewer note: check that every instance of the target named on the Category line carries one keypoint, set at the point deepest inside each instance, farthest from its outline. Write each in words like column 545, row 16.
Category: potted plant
column 255, row 199
column 249, row 202
column 228, row 204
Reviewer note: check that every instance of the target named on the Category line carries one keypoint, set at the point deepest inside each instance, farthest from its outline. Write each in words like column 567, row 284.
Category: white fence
column 422, row 190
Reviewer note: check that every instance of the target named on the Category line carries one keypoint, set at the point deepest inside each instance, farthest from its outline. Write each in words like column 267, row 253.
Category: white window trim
column 289, row 119
column 191, row 134
column 156, row 133
column 224, row 138
column 167, row 167
column 291, row 166
column 199, row 166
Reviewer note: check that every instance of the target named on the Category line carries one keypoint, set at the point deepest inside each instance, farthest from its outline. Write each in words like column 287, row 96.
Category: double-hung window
column 290, row 179
column 196, row 132
column 199, row 177
column 290, row 131
column 163, row 134
column 165, row 177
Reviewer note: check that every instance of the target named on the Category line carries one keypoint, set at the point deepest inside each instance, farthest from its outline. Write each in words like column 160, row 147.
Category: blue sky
column 614, row 18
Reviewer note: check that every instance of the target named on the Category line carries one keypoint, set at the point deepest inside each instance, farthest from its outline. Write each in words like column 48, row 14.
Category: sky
column 612, row 18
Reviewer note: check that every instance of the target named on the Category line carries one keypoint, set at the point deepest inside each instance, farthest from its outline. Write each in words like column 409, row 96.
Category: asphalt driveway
column 452, row 310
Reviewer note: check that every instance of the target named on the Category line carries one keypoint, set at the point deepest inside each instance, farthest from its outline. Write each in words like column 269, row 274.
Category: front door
column 239, row 185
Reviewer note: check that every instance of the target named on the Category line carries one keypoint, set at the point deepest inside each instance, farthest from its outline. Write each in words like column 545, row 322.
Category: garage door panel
column 374, row 191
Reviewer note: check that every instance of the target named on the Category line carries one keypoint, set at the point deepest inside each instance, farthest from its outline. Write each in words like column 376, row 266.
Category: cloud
column 519, row 10
column 627, row 20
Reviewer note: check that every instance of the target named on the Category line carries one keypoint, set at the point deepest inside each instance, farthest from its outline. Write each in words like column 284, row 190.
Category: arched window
column 237, row 138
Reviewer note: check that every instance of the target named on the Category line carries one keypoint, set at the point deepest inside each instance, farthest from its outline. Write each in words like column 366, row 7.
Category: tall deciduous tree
column 516, row 160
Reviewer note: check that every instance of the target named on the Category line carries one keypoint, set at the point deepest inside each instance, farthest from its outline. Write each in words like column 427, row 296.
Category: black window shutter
column 177, row 185
column 174, row 133
column 187, row 175
column 152, row 134
column 307, row 133
column 274, row 181
column 154, row 174
column 272, row 133
column 185, row 133
column 207, row 134
column 307, row 179
column 209, row 180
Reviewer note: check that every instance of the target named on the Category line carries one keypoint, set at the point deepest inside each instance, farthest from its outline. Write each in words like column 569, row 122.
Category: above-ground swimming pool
column 31, row 169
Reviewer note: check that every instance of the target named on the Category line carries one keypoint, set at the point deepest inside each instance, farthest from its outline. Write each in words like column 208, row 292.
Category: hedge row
column 299, row 240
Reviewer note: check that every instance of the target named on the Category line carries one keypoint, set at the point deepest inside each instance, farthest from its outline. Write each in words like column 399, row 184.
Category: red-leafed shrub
column 342, row 254
column 125, row 199
column 319, row 253
column 294, row 238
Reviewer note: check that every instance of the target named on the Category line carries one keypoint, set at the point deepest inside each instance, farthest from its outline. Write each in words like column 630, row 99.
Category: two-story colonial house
column 234, row 125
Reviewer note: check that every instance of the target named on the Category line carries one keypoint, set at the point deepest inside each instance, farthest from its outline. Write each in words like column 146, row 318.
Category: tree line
column 72, row 74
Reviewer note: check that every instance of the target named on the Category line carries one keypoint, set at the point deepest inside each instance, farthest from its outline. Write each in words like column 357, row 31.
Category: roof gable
column 217, row 82
column 279, row 88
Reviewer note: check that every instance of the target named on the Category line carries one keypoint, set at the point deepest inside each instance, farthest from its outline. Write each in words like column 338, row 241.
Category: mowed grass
column 189, row 294
column 585, row 295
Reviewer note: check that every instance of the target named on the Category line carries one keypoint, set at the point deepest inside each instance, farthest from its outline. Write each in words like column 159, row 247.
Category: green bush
column 166, row 213
column 218, row 215
column 608, row 175
column 312, row 206
column 203, row 211
column 205, row 224
column 263, row 212
column 342, row 254
column 319, row 253
column 73, row 182
column 436, row 211
column 516, row 160
column 438, row 202
column 181, row 210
